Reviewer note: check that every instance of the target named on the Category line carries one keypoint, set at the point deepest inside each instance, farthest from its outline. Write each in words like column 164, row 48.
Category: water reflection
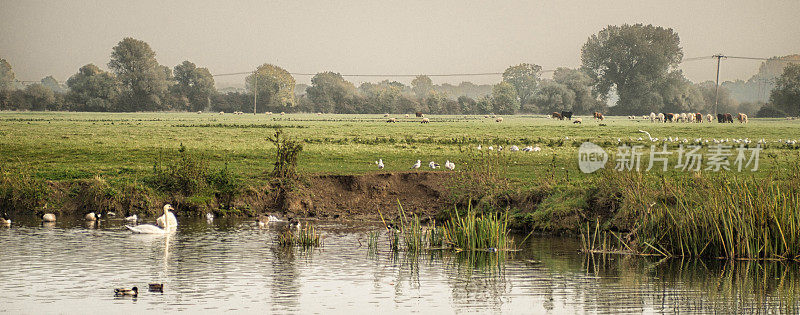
column 205, row 266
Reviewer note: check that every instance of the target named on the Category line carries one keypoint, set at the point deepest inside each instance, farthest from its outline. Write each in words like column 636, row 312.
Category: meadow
column 123, row 146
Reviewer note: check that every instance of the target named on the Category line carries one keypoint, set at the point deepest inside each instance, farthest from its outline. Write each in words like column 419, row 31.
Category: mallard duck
column 129, row 292
column 295, row 224
column 5, row 220
column 156, row 287
column 49, row 217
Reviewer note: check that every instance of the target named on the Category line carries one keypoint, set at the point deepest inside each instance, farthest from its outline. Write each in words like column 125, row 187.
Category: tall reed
column 488, row 231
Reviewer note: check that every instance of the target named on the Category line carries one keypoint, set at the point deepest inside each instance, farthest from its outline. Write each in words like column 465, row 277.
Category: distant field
column 124, row 146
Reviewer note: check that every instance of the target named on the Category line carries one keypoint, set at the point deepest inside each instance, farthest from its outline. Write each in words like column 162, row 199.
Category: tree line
column 626, row 70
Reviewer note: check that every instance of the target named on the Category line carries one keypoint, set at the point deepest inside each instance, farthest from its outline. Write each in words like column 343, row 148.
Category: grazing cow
column 485, row 116
column 419, row 114
column 698, row 117
column 669, row 117
column 499, row 119
column 720, row 118
column 652, row 117
column 567, row 115
column 555, row 115
column 728, row 118
column 578, row 121
column 661, row 117
column 599, row 116
column 742, row 118
column 425, row 120
column 709, row 118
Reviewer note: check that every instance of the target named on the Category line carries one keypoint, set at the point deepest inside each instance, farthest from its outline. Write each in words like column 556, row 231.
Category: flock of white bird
column 451, row 166
column 711, row 140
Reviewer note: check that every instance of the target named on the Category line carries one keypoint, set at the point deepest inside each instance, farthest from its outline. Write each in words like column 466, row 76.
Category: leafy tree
column 633, row 59
column 275, row 88
column 580, row 83
column 467, row 105
column 144, row 81
column 786, row 95
column 383, row 97
column 52, row 84
column 554, row 97
column 6, row 76
column 194, row 84
column 39, row 97
column 524, row 77
column 331, row 93
column 484, row 105
column 504, row 98
column 679, row 95
column 92, row 89
column 725, row 103
column 422, row 85
column 769, row 110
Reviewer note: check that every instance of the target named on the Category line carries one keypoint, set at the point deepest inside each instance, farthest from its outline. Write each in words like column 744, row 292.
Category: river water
column 234, row 266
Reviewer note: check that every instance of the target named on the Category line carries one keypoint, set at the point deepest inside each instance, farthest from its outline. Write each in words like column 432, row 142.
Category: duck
column 91, row 216
column 295, row 224
column 132, row 218
column 49, row 217
column 168, row 220
column 156, row 287
column 154, row 229
column 5, row 220
column 126, row 292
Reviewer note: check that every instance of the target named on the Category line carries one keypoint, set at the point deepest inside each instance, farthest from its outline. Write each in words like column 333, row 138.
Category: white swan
column 167, row 220
column 152, row 229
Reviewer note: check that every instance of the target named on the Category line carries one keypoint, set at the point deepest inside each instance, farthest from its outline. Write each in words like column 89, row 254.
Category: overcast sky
column 41, row 38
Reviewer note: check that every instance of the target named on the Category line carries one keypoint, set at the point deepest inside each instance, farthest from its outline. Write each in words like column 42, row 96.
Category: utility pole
column 255, row 90
column 716, row 87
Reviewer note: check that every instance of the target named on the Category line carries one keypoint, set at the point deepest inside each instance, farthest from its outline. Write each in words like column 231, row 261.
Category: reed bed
column 473, row 232
column 305, row 237
column 732, row 218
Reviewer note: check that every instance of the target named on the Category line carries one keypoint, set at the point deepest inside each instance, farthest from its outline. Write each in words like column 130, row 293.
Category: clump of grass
column 472, row 232
column 306, row 237
column 435, row 235
column 20, row 191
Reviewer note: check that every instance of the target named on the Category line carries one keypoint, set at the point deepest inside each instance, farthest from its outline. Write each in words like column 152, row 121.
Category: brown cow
column 555, row 115
column 728, row 118
column 742, row 118
column 598, row 116
column 419, row 114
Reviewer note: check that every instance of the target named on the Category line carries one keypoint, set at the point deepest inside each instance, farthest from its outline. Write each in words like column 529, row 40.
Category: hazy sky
column 41, row 38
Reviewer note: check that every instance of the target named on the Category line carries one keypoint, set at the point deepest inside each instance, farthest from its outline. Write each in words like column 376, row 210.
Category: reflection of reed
column 690, row 285
column 285, row 279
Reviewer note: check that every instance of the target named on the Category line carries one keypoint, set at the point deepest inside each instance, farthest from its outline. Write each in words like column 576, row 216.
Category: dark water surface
column 233, row 266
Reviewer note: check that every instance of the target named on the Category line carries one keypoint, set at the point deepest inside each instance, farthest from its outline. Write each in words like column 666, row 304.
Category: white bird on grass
column 527, row 149
column 417, row 165
column 514, row 148
column 449, row 165
column 491, row 148
column 433, row 165
column 537, row 149
column 153, row 229
column 647, row 133
column 479, row 147
column 379, row 162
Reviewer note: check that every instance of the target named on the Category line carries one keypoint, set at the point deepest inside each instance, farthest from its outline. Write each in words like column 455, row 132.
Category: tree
column 331, row 93
column 92, row 89
column 554, row 97
column 524, row 77
column 633, row 59
column 144, row 81
column 422, row 85
column 383, row 97
column 580, row 83
column 504, row 98
column 51, row 83
column 39, row 97
column 725, row 103
column 6, row 76
column 275, row 87
column 467, row 104
column 194, row 84
column 786, row 95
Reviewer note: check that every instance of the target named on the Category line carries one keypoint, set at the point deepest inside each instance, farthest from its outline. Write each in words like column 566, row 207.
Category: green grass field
column 121, row 146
